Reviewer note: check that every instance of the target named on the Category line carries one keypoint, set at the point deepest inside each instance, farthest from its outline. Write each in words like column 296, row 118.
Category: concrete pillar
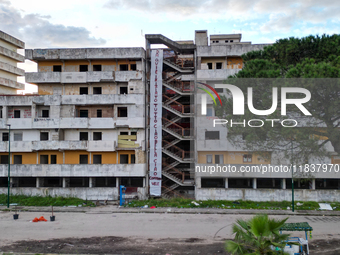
column 313, row 183
column 4, row 112
column 198, row 182
column 117, row 182
column 33, row 108
column 226, row 183
column 144, row 182
column 91, row 182
column 37, row 182
column 254, row 183
column 283, row 184
column 64, row 182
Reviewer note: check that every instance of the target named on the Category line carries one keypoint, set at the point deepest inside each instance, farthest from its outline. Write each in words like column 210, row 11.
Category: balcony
column 82, row 77
column 65, row 170
column 215, row 74
column 103, row 99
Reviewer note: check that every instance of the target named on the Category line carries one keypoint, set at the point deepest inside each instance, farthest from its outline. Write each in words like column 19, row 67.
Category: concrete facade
column 84, row 134
column 8, row 64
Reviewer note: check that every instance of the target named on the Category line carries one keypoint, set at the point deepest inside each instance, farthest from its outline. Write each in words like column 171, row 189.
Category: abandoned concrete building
column 94, row 125
column 84, row 134
column 8, row 64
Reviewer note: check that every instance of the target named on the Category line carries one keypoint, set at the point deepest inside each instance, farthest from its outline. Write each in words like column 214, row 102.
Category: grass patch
column 23, row 200
column 224, row 204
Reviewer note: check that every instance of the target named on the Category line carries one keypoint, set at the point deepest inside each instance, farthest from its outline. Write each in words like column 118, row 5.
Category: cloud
column 272, row 15
column 37, row 31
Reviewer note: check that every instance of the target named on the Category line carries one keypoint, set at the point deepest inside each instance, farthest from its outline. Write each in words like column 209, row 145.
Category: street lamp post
column 292, row 178
column 9, row 163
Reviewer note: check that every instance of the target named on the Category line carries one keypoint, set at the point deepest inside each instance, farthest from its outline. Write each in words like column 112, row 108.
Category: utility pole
column 9, row 163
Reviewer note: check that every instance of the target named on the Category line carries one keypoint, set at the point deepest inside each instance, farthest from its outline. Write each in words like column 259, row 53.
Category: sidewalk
column 109, row 209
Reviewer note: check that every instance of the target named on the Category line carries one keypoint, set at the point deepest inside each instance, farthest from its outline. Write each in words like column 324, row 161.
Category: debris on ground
column 324, row 206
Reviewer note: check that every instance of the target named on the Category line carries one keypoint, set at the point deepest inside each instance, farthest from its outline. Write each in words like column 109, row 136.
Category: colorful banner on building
column 155, row 160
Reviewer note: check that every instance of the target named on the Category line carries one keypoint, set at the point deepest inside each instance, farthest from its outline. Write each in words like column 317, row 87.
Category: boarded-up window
column 212, row 135
column 17, row 136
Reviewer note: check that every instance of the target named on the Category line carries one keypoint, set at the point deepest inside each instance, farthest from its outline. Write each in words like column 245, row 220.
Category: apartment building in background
column 87, row 131
column 9, row 58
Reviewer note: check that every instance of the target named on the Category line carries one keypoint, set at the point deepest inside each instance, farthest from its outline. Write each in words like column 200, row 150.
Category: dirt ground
column 133, row 246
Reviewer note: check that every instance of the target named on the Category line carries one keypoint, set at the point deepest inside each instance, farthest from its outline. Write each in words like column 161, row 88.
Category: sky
column 123, row 23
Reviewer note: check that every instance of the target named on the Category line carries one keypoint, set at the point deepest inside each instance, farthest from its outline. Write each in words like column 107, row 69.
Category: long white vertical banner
column 156, row 123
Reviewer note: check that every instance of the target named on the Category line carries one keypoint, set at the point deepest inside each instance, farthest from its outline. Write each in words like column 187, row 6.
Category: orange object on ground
column 40, row 219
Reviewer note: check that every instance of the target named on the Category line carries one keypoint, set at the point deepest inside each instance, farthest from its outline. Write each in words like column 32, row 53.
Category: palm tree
column 257, row 236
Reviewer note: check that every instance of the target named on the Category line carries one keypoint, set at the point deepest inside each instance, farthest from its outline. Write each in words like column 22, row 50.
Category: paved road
column 141, row 225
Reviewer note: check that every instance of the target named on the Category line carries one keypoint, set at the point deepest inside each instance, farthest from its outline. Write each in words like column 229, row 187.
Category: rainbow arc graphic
column 209, row 93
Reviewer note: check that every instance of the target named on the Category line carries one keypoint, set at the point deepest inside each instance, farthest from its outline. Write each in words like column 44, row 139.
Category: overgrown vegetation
column 23, row 200
column 239, row 204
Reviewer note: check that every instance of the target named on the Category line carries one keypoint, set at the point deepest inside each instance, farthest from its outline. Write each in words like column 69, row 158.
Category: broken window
column 212, row 183
column 43, row 159
column 83, row 68
column 105, row 181
column 123, row 90
column 57, row 68
column 97, row 136
column 240, row 183
column 83, row 159
column 122, row 112
column 97, row 68
column 83, row 136
column 79, row 182
column 51, row 182
column 133, row 67
column 83, row 113
column 97, row 159
column 209, row 159
column 124, row 159
column 212, row 135
column 132, row 181
column 209, row 65
column 4, row 159
column 218, row 159
column 133, row 159
column 247, row 158
column 219, row 65
column 17, row 136
column 5, row 137
column 99, row 113
column 43, row 136
column 83, row 91
column 17, row 114
column 134, row 133
column 123, row 67
column 268, row 183
column 17, row 159
column 53, row 159
column 27, row 182
column 97, row 90
column 45, row 113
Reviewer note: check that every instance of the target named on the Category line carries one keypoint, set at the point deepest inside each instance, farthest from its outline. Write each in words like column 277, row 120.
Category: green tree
column 257, row 236
column 286, row 62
